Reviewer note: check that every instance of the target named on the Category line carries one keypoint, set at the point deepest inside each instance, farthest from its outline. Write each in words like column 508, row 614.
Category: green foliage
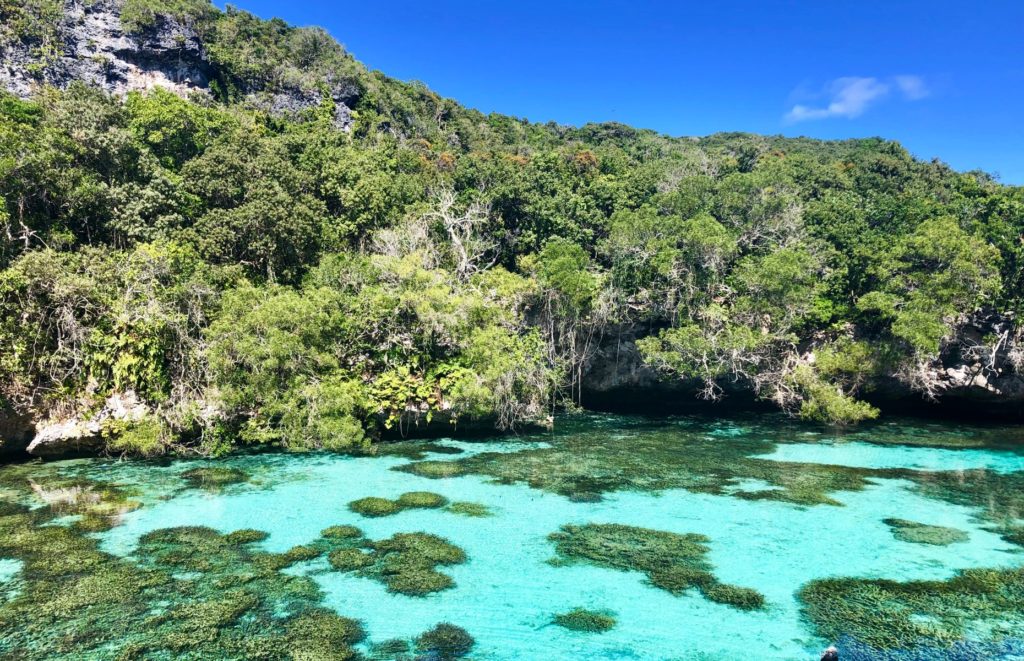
column 140, row 15
column 146, row 437
column 930, row 280
column 823, row 401
column 269, row 279
column 174, row 129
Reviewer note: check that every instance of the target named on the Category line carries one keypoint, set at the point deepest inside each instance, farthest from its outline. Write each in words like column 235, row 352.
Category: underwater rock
column 79, row 436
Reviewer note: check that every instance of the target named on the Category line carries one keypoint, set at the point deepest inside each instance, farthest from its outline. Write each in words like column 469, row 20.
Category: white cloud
column 851, row 97
column 912, row 87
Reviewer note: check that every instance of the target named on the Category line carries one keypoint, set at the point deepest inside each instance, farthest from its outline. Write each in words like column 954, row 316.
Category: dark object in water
column 831, row 654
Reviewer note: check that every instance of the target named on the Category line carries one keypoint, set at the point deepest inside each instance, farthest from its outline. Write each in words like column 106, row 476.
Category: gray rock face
column 984, row 362
column 84, row 436
column 16, row 430
column 96, row 50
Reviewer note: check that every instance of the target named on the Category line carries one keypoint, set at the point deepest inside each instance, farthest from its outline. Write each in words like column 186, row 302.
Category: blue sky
column 944, row 78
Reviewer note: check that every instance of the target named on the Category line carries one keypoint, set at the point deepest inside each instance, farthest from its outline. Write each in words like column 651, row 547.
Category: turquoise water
column 507, row 592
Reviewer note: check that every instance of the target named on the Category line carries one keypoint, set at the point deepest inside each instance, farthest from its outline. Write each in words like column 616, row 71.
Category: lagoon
column 813, row 521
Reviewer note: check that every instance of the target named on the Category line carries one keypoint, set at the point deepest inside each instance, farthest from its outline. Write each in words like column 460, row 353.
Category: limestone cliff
column 93, row 47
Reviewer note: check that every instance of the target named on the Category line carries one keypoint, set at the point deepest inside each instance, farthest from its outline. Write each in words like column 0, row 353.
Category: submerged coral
column 422, row 499
column 435, row 469
column 376, row 507
column 476, row 510
column 406, row 562
column 581, row 619
column 192, row 592
column 885, row 615
column 920, row 533
column 187, row 591
column 214, row 477
column 583, row 460
column 445, row 642
column 672, row 562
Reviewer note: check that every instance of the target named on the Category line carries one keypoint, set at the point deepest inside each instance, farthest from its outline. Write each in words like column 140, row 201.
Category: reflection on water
column 612, row 538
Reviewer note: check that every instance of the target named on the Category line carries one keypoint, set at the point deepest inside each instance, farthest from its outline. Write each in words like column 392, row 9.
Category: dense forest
column 233, row 273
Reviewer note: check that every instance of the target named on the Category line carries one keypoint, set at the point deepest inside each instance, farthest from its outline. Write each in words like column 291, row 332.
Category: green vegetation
column 268, row 280
column 674, row 563
column 920, row 533
column 887, row 615
column 581, row 619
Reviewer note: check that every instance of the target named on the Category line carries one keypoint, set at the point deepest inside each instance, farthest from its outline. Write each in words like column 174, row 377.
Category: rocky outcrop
column 95, row 49
column 616, row 378
column 16, row 431
column 84, row 435
column 980, row 373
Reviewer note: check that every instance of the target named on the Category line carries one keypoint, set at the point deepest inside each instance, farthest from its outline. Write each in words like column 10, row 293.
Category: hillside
column 221, row 230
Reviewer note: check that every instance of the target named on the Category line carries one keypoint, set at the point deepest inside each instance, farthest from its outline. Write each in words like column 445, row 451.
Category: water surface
column 781, row 506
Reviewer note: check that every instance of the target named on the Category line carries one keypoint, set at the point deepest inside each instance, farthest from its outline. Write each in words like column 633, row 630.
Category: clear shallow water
column 767, row 529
